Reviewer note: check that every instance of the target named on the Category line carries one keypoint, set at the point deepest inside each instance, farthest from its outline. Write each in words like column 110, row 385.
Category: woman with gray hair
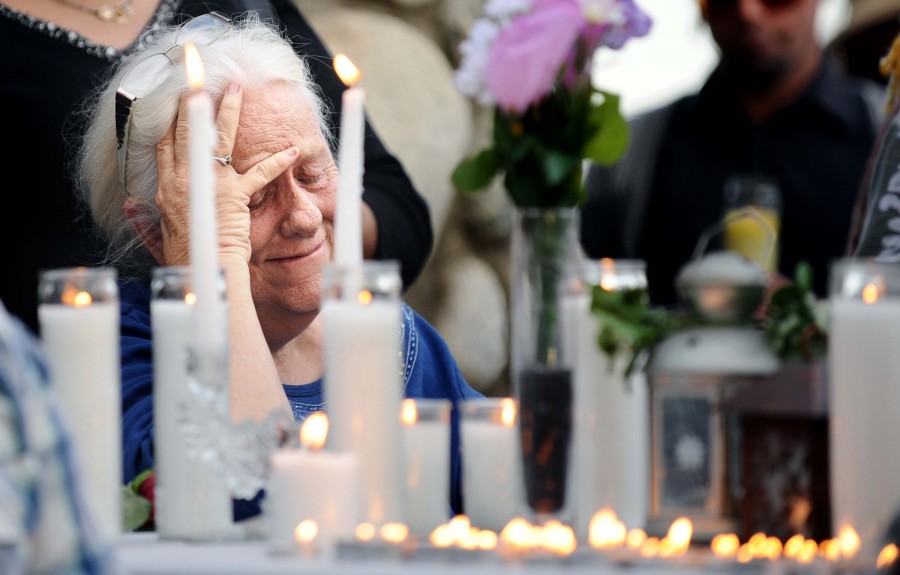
column 275, row 201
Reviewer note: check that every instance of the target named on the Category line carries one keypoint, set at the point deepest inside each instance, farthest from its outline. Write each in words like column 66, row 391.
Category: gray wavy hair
column 251, row 53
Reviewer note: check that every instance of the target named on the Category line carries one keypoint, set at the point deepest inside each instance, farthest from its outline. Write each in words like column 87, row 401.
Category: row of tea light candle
column 313, row 483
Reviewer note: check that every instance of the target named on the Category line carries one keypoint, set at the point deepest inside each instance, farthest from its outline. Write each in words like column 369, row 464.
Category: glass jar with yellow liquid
column 752, row 220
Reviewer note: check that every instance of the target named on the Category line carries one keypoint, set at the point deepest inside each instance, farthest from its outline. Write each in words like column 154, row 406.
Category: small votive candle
column 311, row 484
column 492, row 477
column 425, row 430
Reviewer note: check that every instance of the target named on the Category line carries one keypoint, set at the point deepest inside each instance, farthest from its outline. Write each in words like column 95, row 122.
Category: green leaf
column 476, row 172
column 135, row 508
column 558, row 167
column 803, row 275
column 611, row 132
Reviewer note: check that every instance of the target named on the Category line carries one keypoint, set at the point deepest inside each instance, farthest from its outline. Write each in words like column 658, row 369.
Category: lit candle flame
column 807, row 551
column 306, row 531
column 364, row 531
column 680, row 533
column 829, row 549
column 793, row 546
column 725, row 545
column 870, row 293
column 364, row 297
column 346, row 70
column 559, row 538
column 650, row 548
column 772, row 548
column 487, row 540
column 516, row 533
column 459, row 525
column 314, row 430
column 887, row 556
column 605, row 530
column 608, row 281
column 75, row 297
column 441, row 536
column 848, row 539
column 508, row 412
column 190, row 298
column 194, row 66
column 394, row 532
column 408, row 412
column 635, row 538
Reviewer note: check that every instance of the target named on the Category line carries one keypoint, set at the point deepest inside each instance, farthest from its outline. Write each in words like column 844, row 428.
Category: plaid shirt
column 45, row 526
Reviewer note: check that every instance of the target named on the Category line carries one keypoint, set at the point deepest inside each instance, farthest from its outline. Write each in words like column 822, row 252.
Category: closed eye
column 258, row 199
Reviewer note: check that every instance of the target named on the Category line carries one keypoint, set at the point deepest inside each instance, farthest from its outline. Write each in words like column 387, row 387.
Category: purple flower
column 528, row 54
column 611, row 23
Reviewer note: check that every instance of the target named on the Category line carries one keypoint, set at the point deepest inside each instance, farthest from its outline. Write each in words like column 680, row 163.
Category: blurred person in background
column 775, row 105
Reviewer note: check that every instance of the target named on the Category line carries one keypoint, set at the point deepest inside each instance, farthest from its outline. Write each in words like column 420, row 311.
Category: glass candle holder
column 425, row 427
column 78, row 314
column 362, row 321
column 611, row 424
column 493, row 484
column 192, row 498
column 864, row 368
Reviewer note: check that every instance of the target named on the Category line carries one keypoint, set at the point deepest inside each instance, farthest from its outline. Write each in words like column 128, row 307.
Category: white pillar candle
column 362, row 395
column 864, row 369
column 311, row 484
column 426, row 440
column 210, row 333
column 348, row 213
column 192, row 500
column 493, row 488
column 80, row 335
column 610, row 444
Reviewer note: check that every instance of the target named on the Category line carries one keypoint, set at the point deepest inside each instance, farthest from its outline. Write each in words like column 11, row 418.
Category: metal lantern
column 693, row 374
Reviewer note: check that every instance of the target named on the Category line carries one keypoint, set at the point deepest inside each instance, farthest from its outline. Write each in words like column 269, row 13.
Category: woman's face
column 291, row 231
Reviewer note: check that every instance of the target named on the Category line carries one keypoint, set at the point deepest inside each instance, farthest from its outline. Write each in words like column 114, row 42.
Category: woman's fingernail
column 292, row 151
column 233, row 88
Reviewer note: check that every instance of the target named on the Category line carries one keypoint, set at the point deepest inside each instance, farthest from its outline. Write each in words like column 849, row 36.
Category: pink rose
column 527, row 55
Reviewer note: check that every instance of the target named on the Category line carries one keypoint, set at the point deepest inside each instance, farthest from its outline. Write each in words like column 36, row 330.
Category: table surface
column 146, row 554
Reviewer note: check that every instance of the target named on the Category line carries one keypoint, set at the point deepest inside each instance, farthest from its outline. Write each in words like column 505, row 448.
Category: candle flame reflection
column 314, row 430
column 508, row 412
column 193, row 65
column 408, row 412
column 346, row 70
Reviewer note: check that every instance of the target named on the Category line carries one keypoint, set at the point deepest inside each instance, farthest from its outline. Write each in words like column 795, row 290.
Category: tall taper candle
column 348, row 216
column 209, row 327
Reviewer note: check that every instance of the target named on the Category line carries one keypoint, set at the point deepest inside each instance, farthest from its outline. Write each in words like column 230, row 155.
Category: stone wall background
column 407, row 52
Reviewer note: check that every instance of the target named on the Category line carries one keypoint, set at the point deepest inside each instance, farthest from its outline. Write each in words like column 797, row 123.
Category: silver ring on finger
column 225, row 161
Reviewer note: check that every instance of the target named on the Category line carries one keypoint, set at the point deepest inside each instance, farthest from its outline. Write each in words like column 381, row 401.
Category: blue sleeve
column 437, row 375
column 136, row 345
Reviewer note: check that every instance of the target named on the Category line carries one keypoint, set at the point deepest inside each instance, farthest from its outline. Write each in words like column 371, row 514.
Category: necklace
column 118, row 13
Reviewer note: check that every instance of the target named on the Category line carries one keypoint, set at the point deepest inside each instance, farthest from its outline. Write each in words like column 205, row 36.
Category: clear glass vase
column 545, row 259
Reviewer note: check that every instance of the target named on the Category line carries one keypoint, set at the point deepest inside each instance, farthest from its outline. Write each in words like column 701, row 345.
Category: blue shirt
column 429, row 371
